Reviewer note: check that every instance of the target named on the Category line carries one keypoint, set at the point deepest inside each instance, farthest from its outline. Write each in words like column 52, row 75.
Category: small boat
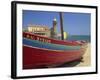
column 40, row 51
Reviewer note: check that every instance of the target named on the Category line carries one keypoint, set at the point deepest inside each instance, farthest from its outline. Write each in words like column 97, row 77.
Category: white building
column 39, row 29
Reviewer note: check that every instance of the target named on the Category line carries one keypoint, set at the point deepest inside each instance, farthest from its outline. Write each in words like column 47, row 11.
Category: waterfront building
column 44, row 30
column 40, row 30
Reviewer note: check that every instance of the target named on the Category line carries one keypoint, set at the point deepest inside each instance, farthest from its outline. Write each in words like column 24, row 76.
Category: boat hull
column 50, row 40
column 51, row 52
column 34, row 57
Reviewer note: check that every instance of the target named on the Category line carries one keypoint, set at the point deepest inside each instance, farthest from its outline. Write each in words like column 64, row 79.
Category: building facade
column 43, row 30
column 40, row 30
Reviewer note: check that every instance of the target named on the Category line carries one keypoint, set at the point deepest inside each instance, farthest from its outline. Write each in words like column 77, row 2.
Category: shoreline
column 86, row 57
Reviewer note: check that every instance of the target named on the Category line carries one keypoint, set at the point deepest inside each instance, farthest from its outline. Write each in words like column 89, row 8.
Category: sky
column 73, row 23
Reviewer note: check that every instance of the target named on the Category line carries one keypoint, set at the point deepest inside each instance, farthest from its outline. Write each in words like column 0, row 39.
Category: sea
column 79, row 37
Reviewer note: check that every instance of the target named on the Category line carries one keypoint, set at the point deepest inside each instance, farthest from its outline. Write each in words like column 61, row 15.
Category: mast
column 61, row 25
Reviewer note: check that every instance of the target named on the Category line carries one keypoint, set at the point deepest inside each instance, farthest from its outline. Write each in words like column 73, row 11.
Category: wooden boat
column 39, row 51
column 50, row 40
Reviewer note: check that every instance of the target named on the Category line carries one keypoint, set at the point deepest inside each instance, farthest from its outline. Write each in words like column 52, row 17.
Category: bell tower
column 54, row 29
column 55, row 26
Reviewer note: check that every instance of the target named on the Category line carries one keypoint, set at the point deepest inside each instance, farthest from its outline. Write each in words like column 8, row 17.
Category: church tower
column 54, row 29
column 55, row 25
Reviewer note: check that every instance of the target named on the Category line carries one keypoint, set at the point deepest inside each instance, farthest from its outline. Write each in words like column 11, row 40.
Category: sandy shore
column 86, row 57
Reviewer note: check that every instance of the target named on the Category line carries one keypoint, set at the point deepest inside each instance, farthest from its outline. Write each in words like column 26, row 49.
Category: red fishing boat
column 40, row 51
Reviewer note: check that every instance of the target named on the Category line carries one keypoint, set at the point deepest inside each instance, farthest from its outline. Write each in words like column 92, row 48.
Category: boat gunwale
column 43, row 36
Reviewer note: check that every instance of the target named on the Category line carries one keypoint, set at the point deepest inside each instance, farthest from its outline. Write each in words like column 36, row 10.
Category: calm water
column 79, row 37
